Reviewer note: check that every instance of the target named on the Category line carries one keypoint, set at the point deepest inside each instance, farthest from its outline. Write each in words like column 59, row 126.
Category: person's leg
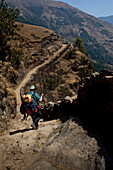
column 39, row 111
column 37, row 118
column 25, row 117
column 36, row 121
column 33, row 118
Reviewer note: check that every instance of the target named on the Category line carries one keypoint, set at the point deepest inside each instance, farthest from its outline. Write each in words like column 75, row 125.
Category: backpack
column 28, row 104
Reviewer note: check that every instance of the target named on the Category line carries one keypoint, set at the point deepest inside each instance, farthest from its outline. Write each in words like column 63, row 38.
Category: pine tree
column 8, row 26
column 79, row 43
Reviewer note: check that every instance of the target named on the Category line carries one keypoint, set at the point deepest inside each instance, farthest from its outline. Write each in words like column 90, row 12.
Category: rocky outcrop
column 96, row 97
column 58, row 110
column 94, row 107
column 69, row 147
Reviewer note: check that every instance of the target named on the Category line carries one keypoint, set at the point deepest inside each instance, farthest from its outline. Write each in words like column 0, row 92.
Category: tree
column 8, row 26
column 79, row 43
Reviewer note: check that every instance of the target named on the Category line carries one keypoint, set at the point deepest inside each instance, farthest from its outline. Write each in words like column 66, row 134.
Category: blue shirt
column 36, row 97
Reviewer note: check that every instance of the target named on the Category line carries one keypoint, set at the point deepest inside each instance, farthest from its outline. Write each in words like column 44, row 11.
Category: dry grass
column 34, row 33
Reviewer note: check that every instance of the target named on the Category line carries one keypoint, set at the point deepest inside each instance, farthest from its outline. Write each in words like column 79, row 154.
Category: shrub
column 80, row 45
column 51, row 83
column 8, row 26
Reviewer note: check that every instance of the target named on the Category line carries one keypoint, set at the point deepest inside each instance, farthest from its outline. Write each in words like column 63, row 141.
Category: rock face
column 95, row 109
column 7, row 103
column 58, row 110
column 96, row 98
column 71, row 148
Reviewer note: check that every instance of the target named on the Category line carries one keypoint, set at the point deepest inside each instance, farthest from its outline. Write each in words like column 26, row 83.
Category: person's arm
column 41, row 97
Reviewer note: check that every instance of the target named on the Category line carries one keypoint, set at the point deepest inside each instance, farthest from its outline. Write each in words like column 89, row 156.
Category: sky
column 97, row 8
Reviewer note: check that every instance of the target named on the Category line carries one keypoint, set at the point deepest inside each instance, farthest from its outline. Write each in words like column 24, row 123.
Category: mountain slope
column 37, row 45
column 69, row 23
column 107, row 19
column 58, row 68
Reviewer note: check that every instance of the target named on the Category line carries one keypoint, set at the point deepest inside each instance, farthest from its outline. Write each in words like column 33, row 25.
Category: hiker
column 36, row 114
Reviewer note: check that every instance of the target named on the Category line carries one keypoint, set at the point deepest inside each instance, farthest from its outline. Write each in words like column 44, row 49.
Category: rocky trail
column 20, row 144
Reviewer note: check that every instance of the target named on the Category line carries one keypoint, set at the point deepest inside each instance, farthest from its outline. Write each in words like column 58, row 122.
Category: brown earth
column 20, row 145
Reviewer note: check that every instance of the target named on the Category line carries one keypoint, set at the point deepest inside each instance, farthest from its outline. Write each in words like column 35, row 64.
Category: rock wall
column 58, row 110
column 94, row 107
column 96, row 99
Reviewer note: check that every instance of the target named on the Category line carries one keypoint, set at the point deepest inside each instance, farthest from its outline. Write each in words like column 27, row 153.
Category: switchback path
column 23, row 83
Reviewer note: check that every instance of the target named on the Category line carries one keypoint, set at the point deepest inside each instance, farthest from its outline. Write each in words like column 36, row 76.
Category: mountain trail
column 20, row 143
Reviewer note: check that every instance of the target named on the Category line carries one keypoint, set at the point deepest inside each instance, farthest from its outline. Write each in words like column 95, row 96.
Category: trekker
column 36, row 115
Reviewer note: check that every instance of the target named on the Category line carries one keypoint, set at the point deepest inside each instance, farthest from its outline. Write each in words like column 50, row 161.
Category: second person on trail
column 37, row 114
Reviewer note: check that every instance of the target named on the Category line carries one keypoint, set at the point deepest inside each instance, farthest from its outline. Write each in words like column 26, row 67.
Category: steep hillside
column 107, row 19
column 37, row 45
column 69, row 22
column 63, row 76
column 61, row 69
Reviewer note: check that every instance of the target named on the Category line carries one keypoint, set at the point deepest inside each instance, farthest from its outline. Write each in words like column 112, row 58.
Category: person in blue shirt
column 37, row 114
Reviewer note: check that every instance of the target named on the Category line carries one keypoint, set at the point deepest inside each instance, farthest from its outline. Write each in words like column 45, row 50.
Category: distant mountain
column 107, row 19
column 69, row 23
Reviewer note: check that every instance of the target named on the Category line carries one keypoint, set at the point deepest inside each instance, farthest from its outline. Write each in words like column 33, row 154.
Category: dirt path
column 17, row 91
column 20, row 144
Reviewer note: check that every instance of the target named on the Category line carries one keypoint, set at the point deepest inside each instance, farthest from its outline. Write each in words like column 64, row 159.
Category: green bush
column 79, row 43
column 8, row 26
column 51, row 83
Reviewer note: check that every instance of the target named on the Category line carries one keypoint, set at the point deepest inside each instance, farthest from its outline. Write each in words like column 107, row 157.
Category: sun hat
column 32, row 87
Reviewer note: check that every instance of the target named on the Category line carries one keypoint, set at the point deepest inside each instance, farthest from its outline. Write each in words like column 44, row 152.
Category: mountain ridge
column 69, row 22
column 108, row 19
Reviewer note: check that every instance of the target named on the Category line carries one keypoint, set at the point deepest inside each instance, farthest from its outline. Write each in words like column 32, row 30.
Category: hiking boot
column 33, row 125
